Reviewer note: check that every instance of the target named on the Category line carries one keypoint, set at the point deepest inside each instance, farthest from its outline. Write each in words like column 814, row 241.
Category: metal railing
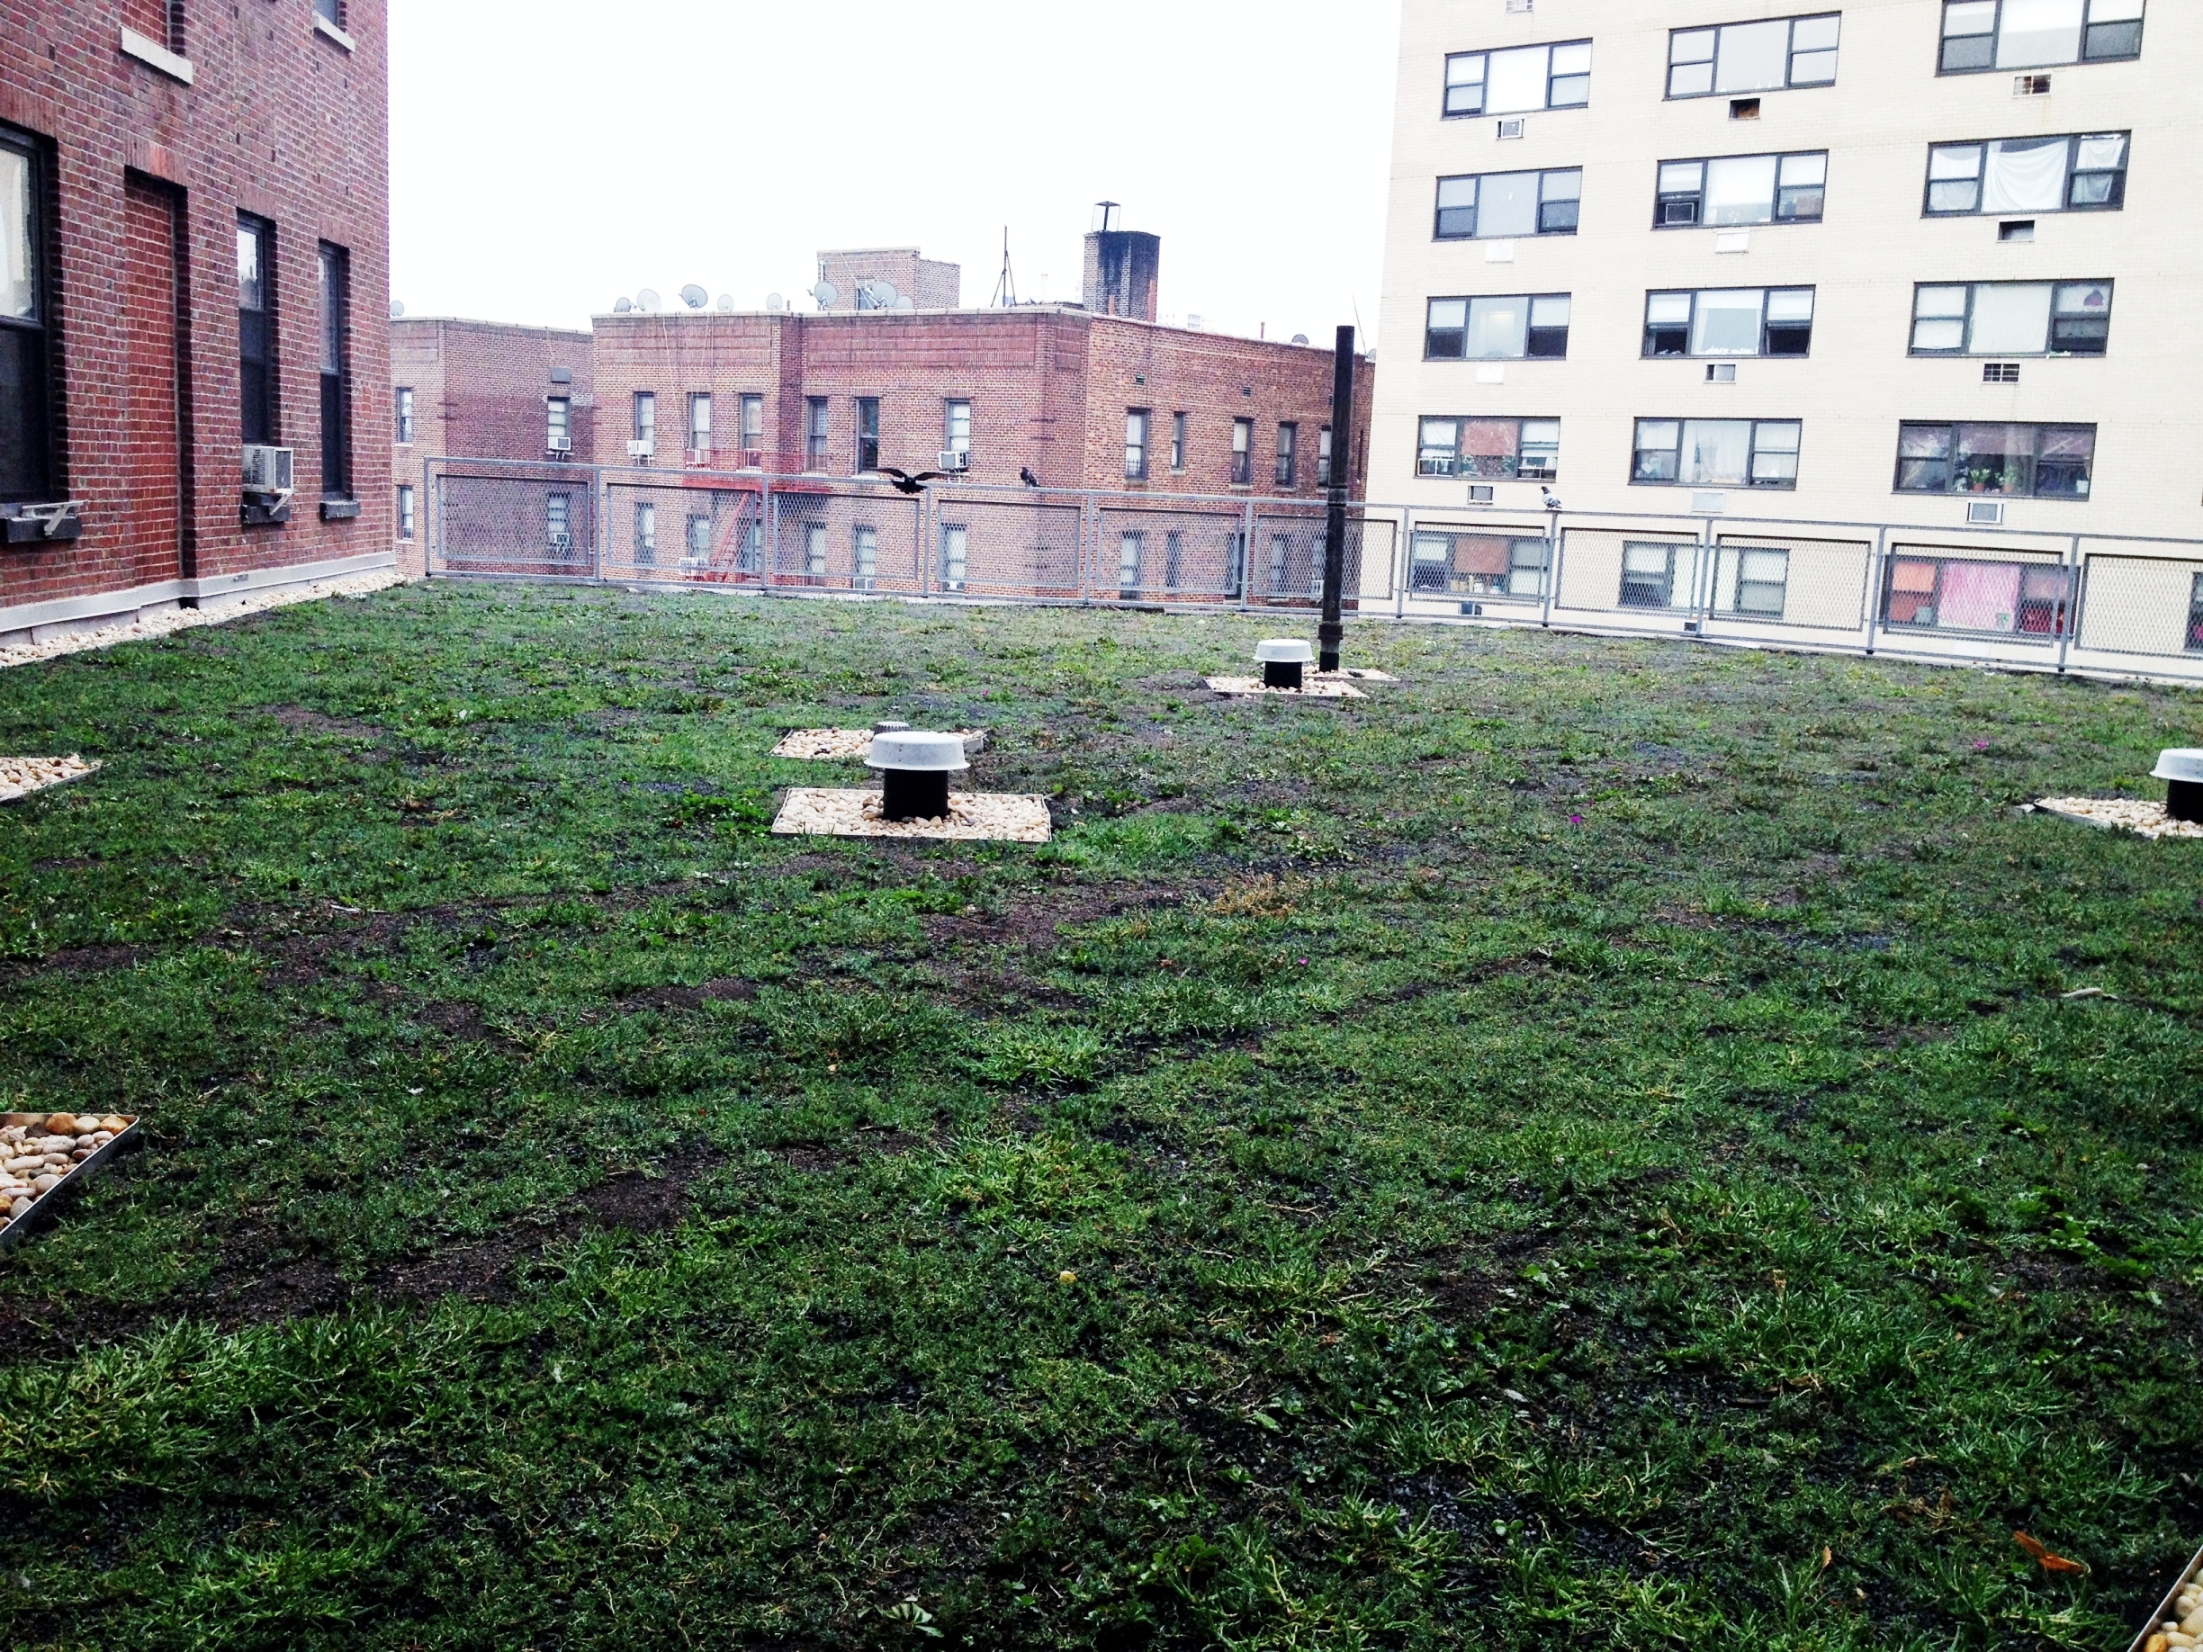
column 2099, row 604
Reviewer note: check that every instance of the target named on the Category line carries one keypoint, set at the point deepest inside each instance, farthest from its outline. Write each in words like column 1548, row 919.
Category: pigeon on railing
column 1025, row 475
column 1551, row 503
column 904, row 482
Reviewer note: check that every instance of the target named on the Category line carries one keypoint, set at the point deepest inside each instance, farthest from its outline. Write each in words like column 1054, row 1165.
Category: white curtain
column 2025, row 175
column 1716, row 452
column 2011, row 319
column 15, row 234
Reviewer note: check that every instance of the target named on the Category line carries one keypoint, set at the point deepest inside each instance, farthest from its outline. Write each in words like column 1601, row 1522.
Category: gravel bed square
column 973, row 817
column 840, row 745
column 2121, row 814
column 2178, row 1621
column 43, row 1155
column 1318, row 688
column 21, row 776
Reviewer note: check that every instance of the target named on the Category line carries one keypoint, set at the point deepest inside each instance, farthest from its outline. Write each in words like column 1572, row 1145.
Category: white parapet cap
column 916, row 752
column 1284, row 651
column 2185, row 764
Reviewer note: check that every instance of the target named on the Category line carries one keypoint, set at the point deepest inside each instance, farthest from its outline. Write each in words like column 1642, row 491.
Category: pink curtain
column 1980, row 596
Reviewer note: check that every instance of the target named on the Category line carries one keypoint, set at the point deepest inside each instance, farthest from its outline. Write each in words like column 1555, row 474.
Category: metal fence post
column 1246, row 560
column 1406, row 561
column 600, row 502
column 1877, row 582
column 768, row 533
column 432, row 501
column 1555, row 538
column 2072, row 621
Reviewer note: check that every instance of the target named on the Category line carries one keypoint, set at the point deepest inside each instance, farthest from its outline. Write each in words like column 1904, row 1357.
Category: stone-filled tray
column 24, row 1136
column 2188, row 1588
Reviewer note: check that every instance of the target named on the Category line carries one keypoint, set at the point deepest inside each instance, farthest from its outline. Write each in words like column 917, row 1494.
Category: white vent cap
column 2185, row 764
column 916, row 752
column 1284, row 651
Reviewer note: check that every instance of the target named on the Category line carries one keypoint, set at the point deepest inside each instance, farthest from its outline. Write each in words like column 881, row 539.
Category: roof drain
column 1285, row 662
column 2182, row 772
column 914, row 772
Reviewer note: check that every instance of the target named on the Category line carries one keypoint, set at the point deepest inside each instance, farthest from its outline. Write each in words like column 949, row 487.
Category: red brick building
column 484, row 390
column 194, row 233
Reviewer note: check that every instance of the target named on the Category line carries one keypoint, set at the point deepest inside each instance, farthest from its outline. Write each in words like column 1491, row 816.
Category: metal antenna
column 1005, row 290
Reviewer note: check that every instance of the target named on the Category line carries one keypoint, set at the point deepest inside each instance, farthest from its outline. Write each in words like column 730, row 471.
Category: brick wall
column 928, row 283
column 279, row 121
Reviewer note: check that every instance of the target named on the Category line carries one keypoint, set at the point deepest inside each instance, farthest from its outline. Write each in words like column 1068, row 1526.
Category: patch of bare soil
column 302, row 720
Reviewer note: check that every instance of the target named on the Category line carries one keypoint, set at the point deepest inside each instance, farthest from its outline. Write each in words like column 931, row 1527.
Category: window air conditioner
column 701, row 457
column 753, row 458
column 642, row 450
column 1985, row 513
column 562, row 444
column 1513, row 128
column 268, row 471
column 955, row 463
column 1480, row 493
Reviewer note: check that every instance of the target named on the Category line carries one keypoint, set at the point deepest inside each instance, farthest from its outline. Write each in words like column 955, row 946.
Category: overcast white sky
column 550, row 156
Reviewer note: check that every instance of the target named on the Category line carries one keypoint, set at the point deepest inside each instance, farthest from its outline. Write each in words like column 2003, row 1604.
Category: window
column 2037, row 461
column 698, row 551
column 1730, row 321
column 753, row 425
column 1478, row 565
column 1742, row 189
column 646, row 422
column 814, row 549
column 560, row 417
column 1503, row 206
column 2086, row 172
column 405, row 511
column 1762, row 582
column 256, row 337
column 868, row 434
column 1174, row 559
column 1135, row 444
column 1720, row 453
column 2032, row 34
column 1131, row 551
column 2195, row 617
column 750, row 559
column 1177, row 441
column 1523, row 449
column 699, row 423
column 867, row 549
column 1242, row 453
column 646, row 536
column 336, row 387
column 1516, row 81
column 1963, row 594
column 405, row 414
column 2012, row 318
column 1753, row 57
column 331, row 11
column 1288, row 454
column 815, row 429
column 958, row 428
column 558, row 518
column 1281, row 563
column 1526, row 325
column 955, row 555
column 25, row 350
column 1323, row 457
column 1648, row 574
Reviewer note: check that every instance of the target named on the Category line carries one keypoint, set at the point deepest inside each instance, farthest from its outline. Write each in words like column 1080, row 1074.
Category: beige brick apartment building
column 1931, row 263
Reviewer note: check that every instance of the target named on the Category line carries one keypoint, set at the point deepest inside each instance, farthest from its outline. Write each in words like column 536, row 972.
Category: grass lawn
column 1590, row 1146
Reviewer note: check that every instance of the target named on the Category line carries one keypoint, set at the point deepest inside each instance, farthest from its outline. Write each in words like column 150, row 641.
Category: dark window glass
column 256, row 332
column 336, row 388
column 2037, row 461
column 1242, row 452
column 25, row 351
column 1288, row 454
column 868, row 433
column 1135, row 444
column 331, row 10
column 815, row 428
column 2195, row 616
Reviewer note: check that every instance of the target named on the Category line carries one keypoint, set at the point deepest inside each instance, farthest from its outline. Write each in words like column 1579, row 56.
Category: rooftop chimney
column 1122, row 266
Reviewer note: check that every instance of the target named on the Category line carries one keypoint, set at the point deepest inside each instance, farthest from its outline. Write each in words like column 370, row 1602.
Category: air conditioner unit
column 954, row 463
column 701, row 457
column 1481, row 493
column 33, row 524
column 642, row 450
column 562, row 444
column 1515, row 128
column 1985, row 513
column 753, row 458
column 2031, row 86
column 1721, row 372
column 268, row 471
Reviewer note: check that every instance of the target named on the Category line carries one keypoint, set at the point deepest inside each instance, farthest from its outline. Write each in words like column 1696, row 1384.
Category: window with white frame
column 1242, row 453
column 1729, row 322
column 699, row 541
column 868, row 434
column 955, row 555
column 1727, row 190
column 2082, row 172
column 817, row 417
column 1517, row 327
column 646, row 421
column 646, row 536
column 1135, row 444
column 865, row 549
column 2012, row 318
column 814, row 550
column 405, row 414
column 1468, row 564
column 1177, row 441
column 753, row 424
column 405, row 510
column 1507, row 206
column 1980, row 35
column 1500, row 449
column 1754, row 57
column 2031, row 461
column 1288, row 455
column 559, row 418
column 2019, row 599
column 957, row 427
column 558, row 514
column 1717, row 453
column 1131, row 552
column 699, row 422
column 1754, row 581
column 1323, row 457
column 1519, row 80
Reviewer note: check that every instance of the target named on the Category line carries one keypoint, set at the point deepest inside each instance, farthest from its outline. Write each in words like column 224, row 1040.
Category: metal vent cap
column 918, row 752
column 1284, row 651
column 2182, row 765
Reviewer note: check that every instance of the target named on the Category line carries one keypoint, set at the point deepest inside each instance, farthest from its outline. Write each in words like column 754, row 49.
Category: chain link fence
column 1984, row 596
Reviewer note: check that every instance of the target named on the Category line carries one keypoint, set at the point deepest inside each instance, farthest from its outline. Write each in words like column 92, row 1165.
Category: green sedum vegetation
column 1592, row 1145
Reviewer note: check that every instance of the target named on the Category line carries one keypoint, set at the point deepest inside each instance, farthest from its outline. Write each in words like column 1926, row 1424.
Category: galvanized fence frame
column 2108, row 605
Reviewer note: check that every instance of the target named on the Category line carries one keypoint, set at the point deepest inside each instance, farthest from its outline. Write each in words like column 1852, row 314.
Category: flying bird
column 1025, row 475
column 906, row 483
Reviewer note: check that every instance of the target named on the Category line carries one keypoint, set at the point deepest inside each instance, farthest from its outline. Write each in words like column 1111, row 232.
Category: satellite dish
column 726, row 301
column 1300, row 338
column 883, row 295
column 624, row 306
column 648, row 302
column 397, row 309
column 694, row 296
column 906, row 303
column 827, row 294
column 775, row 303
